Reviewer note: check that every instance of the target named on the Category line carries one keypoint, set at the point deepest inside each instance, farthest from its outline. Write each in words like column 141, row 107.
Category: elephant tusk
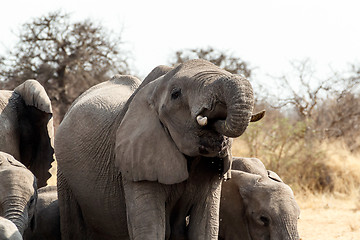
column 257, row 116
column 202, row 121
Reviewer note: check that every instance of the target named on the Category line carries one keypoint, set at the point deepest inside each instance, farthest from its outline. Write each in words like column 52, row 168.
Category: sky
column 267, row 34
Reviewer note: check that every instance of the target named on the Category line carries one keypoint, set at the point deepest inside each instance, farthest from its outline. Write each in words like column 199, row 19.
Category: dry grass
column 334, row 169
column 344, row 166
column 326, row 217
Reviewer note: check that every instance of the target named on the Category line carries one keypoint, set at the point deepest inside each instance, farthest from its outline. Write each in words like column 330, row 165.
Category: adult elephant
column 256, row 204
column 26, row 127
column 137, row 162
column 8, row 230
column 17, row 192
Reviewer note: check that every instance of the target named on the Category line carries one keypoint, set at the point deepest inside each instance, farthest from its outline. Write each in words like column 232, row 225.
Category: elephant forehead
column 198, row 69
column 18, row 179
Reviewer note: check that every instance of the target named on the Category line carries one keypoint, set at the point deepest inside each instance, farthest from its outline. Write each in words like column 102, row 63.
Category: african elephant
column 256, row 204
column 145, row 152
column 26, row 128
column 17, row 192
column 8, row 230
column 46, row 221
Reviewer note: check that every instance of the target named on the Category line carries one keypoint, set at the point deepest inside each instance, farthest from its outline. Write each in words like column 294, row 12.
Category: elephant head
column 258, row 207
column 26, row 127
column 17, row 192
column 178, row 113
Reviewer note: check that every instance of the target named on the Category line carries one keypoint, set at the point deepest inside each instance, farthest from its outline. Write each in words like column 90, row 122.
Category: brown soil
column 328, row 217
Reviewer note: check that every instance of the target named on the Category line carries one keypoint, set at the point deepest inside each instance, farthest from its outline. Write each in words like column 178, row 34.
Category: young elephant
column 46, row 222
column 17, row 192
column 256, row 204
column 8, row 230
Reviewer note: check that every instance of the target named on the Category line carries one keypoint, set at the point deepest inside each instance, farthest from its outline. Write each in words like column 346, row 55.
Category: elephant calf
column 256, row 204
column 46, row 225
column 8, row 230
column 17, row 192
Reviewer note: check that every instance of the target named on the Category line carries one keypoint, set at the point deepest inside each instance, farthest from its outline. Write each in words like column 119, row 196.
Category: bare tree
column 330, row 107
column 303, row 91
column 67, row 58
column 220, row 58
column 339, row 114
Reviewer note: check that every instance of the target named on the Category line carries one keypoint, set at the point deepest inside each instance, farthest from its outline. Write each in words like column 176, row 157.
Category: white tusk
column 202, row 121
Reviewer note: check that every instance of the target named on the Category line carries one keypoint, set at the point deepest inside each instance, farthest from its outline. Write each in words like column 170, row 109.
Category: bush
column 291, row 149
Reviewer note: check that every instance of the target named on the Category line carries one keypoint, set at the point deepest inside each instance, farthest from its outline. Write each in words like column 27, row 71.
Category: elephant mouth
column 214, row 146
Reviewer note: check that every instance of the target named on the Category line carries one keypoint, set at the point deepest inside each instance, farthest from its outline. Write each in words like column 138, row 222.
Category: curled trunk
column 237, row 94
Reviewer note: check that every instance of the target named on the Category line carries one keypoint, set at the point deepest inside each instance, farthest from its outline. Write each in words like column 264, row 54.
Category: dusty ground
column 328, row 217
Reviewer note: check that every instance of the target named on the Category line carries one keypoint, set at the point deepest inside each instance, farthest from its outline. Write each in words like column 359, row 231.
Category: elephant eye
column 175, row 93
column 265, row 221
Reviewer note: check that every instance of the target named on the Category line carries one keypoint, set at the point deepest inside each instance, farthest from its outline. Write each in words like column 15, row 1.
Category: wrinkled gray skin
column 8, row 230
column 17, row 192
column 256, row 204
column 147, row 161
column 45, row 224
column 26, row 127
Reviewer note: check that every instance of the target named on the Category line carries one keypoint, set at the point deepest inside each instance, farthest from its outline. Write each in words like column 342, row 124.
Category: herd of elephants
column 138, row 159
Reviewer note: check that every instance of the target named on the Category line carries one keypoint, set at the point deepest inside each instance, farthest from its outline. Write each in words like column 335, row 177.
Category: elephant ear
column 36, row 130
column 273, row 175
column 154, row 74
column 144, row 148
column 246, row 183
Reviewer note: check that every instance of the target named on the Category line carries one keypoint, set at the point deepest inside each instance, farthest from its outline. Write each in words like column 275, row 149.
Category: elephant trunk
column 17, row 213
column 237, row 94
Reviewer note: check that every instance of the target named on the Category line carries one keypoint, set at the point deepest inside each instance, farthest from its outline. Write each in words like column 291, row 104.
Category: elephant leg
column 72, row 224
column 145, row 207
column 204, row 216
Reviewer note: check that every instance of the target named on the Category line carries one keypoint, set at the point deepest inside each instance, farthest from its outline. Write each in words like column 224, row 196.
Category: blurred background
column 302, row 58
